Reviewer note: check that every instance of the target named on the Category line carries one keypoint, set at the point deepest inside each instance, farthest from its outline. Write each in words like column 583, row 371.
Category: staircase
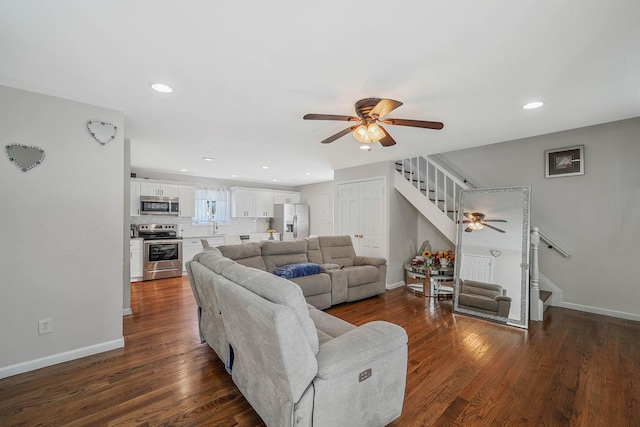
column 432, row 190
column 435, row 193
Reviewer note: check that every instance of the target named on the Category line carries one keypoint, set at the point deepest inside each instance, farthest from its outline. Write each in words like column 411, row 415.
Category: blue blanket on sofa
column 297, row 270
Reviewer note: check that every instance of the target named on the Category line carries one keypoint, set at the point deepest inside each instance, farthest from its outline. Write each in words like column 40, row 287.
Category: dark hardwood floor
column 573, row 369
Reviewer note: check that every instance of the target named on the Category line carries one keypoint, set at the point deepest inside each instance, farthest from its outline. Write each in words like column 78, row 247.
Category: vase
column 444, row 263
column 270, row 236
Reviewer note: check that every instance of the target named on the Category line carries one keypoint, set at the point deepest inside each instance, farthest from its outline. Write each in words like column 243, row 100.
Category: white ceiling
column 245, row 72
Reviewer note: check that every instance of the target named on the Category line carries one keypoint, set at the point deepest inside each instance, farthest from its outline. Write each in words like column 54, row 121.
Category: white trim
column 547, row 285
column 127, row 312
column 597, row 310
column 396, row 285
column 54, row 359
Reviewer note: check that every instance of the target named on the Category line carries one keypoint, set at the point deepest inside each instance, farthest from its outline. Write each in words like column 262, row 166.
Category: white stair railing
column 438, row 185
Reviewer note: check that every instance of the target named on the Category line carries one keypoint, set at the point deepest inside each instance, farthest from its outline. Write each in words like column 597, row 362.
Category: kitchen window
column 212, row 205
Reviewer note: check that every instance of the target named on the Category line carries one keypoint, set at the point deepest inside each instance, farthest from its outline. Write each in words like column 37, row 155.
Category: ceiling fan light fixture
column 475, row 226
column 361, row 134
column 368, row 133
column 375, row 132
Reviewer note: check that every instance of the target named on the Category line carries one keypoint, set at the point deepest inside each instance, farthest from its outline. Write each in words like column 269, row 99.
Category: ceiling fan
column 369, row 112
column 475, row 221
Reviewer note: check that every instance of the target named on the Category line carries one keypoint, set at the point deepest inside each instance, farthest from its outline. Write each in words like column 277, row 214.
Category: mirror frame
column 525, row 191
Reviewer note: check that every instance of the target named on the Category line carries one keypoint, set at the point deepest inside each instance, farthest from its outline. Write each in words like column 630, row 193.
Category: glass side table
column 428, row 282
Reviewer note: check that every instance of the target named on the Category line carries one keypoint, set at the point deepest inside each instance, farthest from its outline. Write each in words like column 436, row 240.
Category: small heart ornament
column 102, row 131
column 25, row 156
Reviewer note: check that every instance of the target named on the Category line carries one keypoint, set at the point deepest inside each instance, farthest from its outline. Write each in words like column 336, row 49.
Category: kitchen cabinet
column 134, row 198
column 264, row 204
column 251, row 203
column 136, row 254
column 154, row 188
column 282, row 197
column 190, row 247
column 243, row 202
column 187, row 200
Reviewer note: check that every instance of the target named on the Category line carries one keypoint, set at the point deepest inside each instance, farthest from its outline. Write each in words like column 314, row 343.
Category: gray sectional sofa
column 344, row 276
column 295, row 364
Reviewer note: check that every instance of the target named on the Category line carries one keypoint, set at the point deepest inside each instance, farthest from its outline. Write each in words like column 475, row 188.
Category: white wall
column 592, row 216
column 320, row 198
column 62, row 224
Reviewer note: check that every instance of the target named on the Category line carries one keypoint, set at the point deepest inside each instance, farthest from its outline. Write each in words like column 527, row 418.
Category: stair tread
column 545, row 295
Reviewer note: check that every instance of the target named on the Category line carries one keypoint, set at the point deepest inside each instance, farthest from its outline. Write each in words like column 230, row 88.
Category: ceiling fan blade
column 331, row 117
column 387, row 141
column 495, row 220
column 338, row 135
column 468, row 215
column 384, row 107
column 493, row 228
column 468, row 230
column 414, row 123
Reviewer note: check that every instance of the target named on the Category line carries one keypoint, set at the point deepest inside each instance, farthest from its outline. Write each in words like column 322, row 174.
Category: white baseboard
column 598, row 310
column 54, row 359
column 127, row 312
column 390, row 286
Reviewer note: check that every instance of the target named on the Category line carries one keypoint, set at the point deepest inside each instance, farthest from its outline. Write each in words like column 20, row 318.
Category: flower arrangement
column 438, row 258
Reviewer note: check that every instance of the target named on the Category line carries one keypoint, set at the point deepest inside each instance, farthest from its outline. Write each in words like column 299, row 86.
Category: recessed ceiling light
column 234, row 175
column 184, row 170
column 532, row 105
column 365, row 147
column 274, row 180
column 159, row 87
column 265, row 167
column 308, row 173
column 207, row 159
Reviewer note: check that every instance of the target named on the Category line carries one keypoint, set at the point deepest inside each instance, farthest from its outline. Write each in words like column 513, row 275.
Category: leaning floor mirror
column 492, row 255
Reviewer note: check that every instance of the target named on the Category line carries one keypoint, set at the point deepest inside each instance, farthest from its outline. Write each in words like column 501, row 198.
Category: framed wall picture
column 566, row 161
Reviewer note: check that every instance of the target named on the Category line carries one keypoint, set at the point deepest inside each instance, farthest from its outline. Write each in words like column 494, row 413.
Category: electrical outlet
column 44, row 326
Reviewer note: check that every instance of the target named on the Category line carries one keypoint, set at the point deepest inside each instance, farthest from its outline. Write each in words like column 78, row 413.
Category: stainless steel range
column 162, row 251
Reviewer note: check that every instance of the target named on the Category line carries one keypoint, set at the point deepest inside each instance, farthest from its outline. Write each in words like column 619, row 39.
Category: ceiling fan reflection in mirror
column 369, row 113
column 475, row 222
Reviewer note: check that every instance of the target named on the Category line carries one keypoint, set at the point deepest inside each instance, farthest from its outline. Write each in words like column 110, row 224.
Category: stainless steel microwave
column 156, row 205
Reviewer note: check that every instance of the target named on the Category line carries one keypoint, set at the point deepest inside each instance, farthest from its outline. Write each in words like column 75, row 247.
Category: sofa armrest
column 358, row 347
column 503, row 298
column 369, row 260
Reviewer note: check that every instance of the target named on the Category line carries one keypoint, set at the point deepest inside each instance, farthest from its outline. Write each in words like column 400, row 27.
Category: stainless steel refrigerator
column 291, row 221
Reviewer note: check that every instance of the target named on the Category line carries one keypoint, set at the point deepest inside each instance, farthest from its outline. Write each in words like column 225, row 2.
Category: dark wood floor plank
column 572, row 369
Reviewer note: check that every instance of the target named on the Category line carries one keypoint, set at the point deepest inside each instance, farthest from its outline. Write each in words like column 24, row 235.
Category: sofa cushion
column 481, row 288
column 248, row 254
column 278, row 291
column 316, row 284
column 479, row 301
column 276, row 254
column 313, row 250
column 337, row 250
column 361, row 275
column 297, row 270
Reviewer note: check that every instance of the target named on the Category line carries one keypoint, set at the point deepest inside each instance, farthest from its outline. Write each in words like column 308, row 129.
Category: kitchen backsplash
column 187, row 229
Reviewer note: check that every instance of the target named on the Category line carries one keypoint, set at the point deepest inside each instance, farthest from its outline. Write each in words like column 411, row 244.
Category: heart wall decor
column 496, row 253
column 102, row 131
column 25, row 156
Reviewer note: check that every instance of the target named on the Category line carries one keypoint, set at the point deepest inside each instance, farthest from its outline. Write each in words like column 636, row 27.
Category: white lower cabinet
column 136, row 255
column 190, row 247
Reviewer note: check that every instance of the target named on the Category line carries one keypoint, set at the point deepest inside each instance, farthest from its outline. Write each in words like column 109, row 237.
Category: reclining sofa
column 295, row 364
column 343, row 276
column 482, row 297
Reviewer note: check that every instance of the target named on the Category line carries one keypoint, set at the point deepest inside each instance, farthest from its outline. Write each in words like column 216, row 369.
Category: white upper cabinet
column 187, row 200
column 154, row 188
column 264, row 203
column 243, row 202
column 134, row 198
column 282, row 197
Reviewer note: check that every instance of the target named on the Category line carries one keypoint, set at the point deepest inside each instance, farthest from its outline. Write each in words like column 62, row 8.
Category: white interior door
column 476, row 267
column 361, row 215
